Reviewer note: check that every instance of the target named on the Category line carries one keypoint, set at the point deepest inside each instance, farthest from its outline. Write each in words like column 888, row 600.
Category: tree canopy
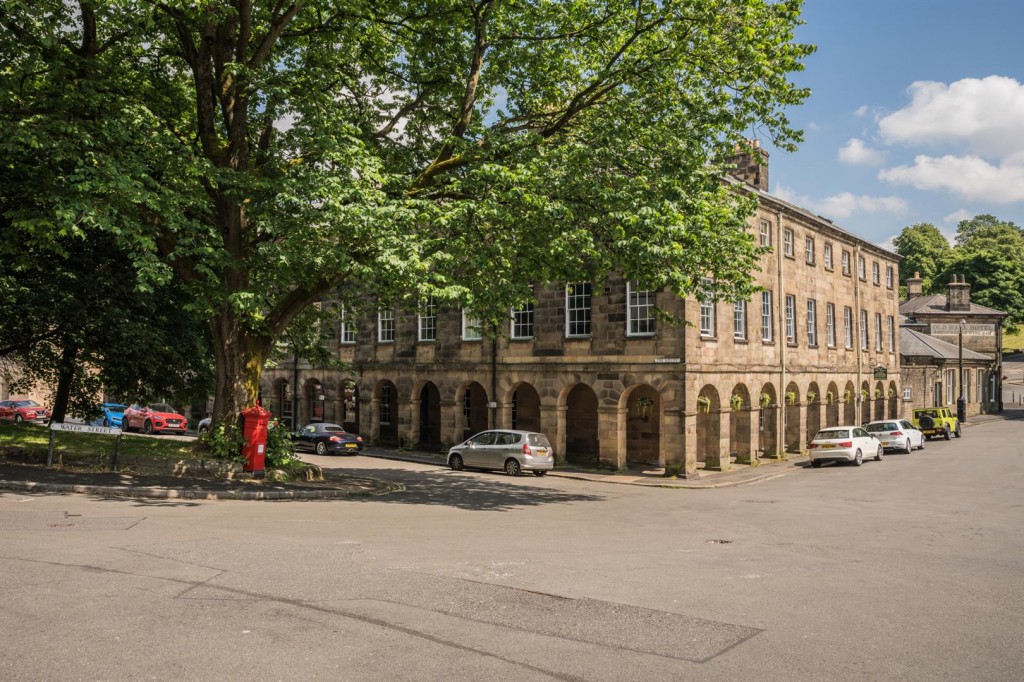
column 269, row 153
column 924, row 250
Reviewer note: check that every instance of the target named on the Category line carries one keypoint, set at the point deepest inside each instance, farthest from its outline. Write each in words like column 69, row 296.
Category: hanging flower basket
column 811, row 396
column 847, row 395
column 703, row 404
column 766, row 400
column 830, row 397
column 878, row 393
column 892, row 392
column 643, row 406
column 864, row 394
column 736, row 402
column 791, row 398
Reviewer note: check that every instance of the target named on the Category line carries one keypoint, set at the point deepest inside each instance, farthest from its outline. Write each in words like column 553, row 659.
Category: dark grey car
column 508, row 449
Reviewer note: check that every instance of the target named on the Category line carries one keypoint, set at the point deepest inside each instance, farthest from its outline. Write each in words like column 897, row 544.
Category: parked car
column 154, row 418
column 844, row 444
column 21, row 411
column 112, row 415
column 513, row 451
column 328, row 439
column 204, row 425
column 896, row 434
column 936, row 421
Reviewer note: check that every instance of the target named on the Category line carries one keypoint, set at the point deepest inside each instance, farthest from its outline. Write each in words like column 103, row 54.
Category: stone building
column 940, row 334
column 613, row 385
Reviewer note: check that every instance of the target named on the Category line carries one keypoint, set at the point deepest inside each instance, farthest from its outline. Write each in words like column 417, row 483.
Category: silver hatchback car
column 508, row 449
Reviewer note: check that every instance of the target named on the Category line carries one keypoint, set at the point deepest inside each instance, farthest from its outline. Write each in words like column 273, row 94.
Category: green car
column 936, row 421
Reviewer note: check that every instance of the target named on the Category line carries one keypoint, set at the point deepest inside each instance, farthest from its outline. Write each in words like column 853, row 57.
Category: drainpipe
column 857, row 326
column 494, row 381
column 682, row 473
column 779, row 304
column 295, row 388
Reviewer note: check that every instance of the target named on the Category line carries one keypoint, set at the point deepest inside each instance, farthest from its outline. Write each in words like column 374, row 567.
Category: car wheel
column 203, row 429
column 18, row 419
column 539, row 473
column 957, row 432
column 816, row 463
column 923, row 439
column 947, row 432
column 106, row 422
column 147, row 428
column 909, row 448
column 455, row 462
column 878, row 455
column 512, row 467
column 858, row 459
column 321, row 448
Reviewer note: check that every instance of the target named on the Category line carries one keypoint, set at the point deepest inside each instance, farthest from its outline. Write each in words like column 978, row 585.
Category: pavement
column 338, row 485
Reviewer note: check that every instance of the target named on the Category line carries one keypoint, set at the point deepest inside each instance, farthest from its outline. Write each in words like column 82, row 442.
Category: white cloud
column 984, row 114
column 856, row 153
column 844, row 204
column 955, row 217
column 861, row 111
column 970, row 177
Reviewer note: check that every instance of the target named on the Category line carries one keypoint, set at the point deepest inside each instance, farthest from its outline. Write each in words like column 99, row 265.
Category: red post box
column 254, row 439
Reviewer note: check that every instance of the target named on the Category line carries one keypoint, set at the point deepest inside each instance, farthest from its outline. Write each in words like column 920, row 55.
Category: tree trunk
column 240, row 355
column 65, row 376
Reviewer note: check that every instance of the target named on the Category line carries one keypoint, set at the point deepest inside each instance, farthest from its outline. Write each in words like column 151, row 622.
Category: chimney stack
column 958, row 300
column 751, row 164
column 914, row 286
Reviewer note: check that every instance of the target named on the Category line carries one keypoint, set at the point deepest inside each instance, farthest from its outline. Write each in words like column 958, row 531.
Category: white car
column 897, row 434
column 844, row 444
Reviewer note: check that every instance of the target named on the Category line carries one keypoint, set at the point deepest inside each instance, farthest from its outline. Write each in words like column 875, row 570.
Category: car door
column 476, row 452
column 868, row 444
column 5, row 410
column 916, row 437
column 504, row 443
column 307, row 437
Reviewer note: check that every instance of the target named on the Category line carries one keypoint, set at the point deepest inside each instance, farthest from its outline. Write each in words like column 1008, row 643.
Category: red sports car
column 155, row 418
column 24, row 411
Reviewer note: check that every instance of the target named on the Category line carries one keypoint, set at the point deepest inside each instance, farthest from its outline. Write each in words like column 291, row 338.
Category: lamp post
column 961, row 404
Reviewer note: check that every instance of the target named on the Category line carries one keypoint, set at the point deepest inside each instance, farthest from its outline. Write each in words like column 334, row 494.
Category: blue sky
column 916, row 115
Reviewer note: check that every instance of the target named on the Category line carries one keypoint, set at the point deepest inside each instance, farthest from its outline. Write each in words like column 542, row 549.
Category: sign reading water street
column 945, row 329
column 84, row 428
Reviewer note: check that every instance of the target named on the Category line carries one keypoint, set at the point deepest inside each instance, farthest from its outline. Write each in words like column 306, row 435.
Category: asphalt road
column 905, row 569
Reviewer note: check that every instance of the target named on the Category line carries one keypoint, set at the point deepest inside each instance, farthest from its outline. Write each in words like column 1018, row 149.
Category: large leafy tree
column 268, row 153
column 925, row 251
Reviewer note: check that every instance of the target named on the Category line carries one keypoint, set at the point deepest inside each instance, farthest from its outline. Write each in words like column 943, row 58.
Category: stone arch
column 879, row 400
column 832, row 405
column 642, row 405
column 792, row 417
column 849, row 404
column 582, row 438
column 470, row 409
column 428, row 416
column 525, row 407
column 865, row 402
column 740, row 445
column 894, row 404
column 768, row 420
column 813, row 411
column 709, row 440
column 314, row 399
column 280, row 402
column 385, row 399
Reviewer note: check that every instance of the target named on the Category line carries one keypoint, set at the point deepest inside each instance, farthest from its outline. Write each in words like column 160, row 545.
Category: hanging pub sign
column 881, row 372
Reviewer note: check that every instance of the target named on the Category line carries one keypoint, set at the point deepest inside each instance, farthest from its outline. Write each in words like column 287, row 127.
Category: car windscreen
column 117, row 409
column 25, row 403
column 832, row 434
column 538, row 440
column 161, row 407
column 330, row 428
column 885, row 426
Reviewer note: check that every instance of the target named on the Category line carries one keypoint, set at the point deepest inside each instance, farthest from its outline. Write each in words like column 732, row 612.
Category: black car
column 327, row 439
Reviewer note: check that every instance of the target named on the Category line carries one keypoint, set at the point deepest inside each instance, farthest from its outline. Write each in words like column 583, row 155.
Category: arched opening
column 643, row 426
column 525, row 408
column 849, row 404
column 350, row 406
column 581, row 432
column 473, row 410
column 709, row 408
column 316, row 397
column 430, row 417
column 768, row 421
column 280, row 402
column 865, row 402
column 879, row 400
column 894, row 405
column 739, row 424
column 832, row 405
column 813, row 412
column 387, row 413
column 793, row 425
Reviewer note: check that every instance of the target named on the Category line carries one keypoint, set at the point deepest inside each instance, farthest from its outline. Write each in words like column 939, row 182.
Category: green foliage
column 925, row 251
column 226, row 444
column 281, row 448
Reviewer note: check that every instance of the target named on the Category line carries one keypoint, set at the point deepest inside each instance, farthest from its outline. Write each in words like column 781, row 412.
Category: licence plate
column 542, row 453
column 351, row 445
column 826, row 447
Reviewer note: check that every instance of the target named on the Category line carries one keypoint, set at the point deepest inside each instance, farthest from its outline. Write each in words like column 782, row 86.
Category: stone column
column 611, row 434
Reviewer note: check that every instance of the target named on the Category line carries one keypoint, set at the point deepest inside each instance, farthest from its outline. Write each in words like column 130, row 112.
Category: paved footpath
column 336, row 485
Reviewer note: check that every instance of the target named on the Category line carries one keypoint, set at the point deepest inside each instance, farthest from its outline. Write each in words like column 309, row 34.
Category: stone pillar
column 555, row 432
column 504, row 415
column 751, row 435
column 448, row 421
column 611, row 434
column 370, row 411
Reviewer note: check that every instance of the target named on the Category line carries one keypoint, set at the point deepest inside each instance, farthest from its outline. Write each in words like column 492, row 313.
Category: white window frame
column 830, row 325
column 384, row 408
column 862, row 269
column 346, row 331
column 578, row 302
column 639, row 311
column 739, row 321
column 386, row 325
column 707, row 315
column 522, row 322
column 767, row 317
column 979, row 387
column 427, row 326
column 790, row 318
column 876, row 273
column 888, row 276
column 809, row 250
column 878, row 332
column 892, row 333
column 787, row 242
column 827, row 257
column 812, row 322
column 950, row 386
column 471, row 328
column 848, row 326
column 844, row 259
column 865, row 342
column 766, row 233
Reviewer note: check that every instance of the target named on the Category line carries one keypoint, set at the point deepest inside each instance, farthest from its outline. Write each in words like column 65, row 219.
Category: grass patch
column 1013, row 342
column 33, row 438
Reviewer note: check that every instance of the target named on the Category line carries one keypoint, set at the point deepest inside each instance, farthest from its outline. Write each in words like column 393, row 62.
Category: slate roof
column 936, row 304
column 916, row 344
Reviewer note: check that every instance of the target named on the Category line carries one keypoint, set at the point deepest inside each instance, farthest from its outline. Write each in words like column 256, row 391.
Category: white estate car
column 844, row 444
column 896, row 434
